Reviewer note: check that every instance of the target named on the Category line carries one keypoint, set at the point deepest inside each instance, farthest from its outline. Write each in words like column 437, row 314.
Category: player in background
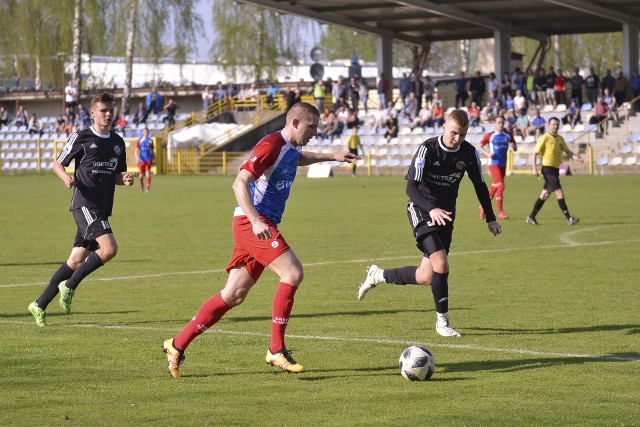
column 145, row 155
column 261, row 190
column 499, row 142
column 433, row 181
column 550, row 147
column 100, row 165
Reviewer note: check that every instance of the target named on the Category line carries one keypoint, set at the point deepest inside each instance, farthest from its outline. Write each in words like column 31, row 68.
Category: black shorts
column 551, row 178
column 354, row 151
column 92, row 223
column 429, row 237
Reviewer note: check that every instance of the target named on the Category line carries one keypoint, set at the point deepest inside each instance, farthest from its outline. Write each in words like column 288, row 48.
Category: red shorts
column 144, row 167
column 253, row 253
column 497, row 174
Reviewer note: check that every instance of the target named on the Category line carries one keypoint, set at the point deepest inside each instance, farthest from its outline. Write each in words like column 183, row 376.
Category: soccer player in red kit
column 261, row 189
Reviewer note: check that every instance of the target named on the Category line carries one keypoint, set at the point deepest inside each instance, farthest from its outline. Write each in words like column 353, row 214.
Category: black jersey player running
column 100, row 164
column 432, row 186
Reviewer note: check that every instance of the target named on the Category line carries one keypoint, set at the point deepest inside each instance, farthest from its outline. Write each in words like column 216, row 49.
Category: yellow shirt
column 550, row 149
column 353, row 141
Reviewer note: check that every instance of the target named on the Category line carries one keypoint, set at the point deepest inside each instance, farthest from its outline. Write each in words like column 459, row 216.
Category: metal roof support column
column 384, row 45
column 502, row 52
column 630, row 36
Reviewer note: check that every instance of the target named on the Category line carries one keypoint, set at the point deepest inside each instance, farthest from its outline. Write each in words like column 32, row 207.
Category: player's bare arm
column 534, row 167
column 440, row 216
column 243, row 197
column 60, row 171
column 575, row 156
column 307, row 158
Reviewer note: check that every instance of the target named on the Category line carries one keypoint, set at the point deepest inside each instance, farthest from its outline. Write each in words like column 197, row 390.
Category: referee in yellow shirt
column 550, row 147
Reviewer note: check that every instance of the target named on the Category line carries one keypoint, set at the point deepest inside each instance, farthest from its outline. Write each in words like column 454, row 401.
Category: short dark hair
column 103, row 97
column 460, row 117
column 554, row 118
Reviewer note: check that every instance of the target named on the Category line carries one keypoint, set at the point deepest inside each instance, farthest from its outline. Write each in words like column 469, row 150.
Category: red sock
column 210, row 312
column 499, row 192
column 148, row 182
column 282, row 305
column 492, row 191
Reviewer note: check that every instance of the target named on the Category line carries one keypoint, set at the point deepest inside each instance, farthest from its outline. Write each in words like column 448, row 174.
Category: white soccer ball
column 417, row 363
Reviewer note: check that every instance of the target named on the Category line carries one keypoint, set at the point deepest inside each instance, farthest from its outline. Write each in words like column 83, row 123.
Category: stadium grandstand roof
column 420, row 21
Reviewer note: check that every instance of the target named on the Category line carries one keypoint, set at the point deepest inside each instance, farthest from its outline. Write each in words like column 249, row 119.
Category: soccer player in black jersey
column 432, row 186
column 100, row 165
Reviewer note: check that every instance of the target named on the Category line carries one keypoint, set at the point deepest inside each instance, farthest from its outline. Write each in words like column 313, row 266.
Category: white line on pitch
column 351, row 261
column 357, row 339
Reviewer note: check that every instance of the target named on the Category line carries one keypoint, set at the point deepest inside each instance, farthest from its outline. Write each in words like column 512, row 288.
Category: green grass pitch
column 550, row 315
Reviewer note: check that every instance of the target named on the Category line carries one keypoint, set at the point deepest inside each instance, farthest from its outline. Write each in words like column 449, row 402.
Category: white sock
column 443, row 319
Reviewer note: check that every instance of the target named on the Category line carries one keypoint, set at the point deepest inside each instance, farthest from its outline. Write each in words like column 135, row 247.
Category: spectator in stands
column 601, row 113
column 608, row 82
column 550, row 147
column 488, row 112
column 352, row 118
column 221, row 93
column 318, row 94
column 474, row 114
column 380, row 117
column 341, row 102
column 4, row 117
column 573, row 114
column 560, row 87
column 493, row 86
column 537, row 124
column 390, row 110
column 540, row 82
column 477, row 87
column 170, row 118
column 391, row 127
column 505, row 87
column 297, row 97
column 154, row 101
column 363, row 89
column 410, row 110
column 510, row 122
column 530, row 87
column 22, row 117
column 621, row 88
column 522, row 125
column 289, row 97
column 252, row 96
column 405, row 88
column 70, row 96
column 461, row 90
column 576, row 87
column 437, row 119
column 60, row 126
column 354, row 93
column 635, row 85
column 383, row 89
column 338, row 90
column 520, row 102
column 517, row 81
column 499, row 142
column 509, row 105
column 85, row 117
column 325, row 126
column 429, row 89
column 140, row 116
column 35, row 125
column 417, row 87
column 425, row 116
column 592, row 84
column 551, row 82
column 272, row 93
column 353, row 144
column 612, row 103
column 207, row 98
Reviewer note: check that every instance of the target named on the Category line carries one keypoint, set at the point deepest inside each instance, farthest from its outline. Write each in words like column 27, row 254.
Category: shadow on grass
column 629, row 328
column 57, row 263
column 534, row 363
column 314, row 315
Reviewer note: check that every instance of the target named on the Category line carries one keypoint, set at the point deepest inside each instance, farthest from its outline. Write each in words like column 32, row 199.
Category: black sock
column 440, row 291
column 401, row 276
column 64, row 272
column 90, row 264
column 564, row 208
column 536, row 207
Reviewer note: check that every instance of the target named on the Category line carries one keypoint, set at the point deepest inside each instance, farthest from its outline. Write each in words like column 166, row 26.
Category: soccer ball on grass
column 417, row 363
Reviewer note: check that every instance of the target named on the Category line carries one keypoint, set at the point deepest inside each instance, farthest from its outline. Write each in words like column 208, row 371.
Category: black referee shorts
column 551, row 178
column 92, row 223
